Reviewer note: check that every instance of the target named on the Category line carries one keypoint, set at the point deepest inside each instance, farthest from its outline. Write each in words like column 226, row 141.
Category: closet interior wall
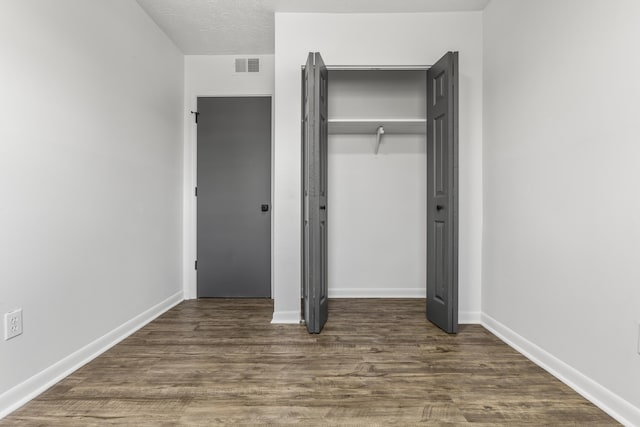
column 377, row 202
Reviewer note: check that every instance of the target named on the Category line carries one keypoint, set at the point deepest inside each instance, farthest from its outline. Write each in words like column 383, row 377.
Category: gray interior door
column 234, row 196
column 314, row 188
column 442, row 193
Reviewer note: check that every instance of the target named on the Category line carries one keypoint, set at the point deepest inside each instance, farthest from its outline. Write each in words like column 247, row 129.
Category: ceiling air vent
column 244, row 65
column 253, row 65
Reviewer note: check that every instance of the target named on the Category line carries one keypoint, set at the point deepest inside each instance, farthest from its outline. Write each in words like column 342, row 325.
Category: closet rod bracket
column 379, row 133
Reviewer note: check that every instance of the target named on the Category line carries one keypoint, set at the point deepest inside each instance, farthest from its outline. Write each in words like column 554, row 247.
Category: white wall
column 377, row 216
column 211, row 75
column 90, row 178
column 374, row 39
column 561, row 248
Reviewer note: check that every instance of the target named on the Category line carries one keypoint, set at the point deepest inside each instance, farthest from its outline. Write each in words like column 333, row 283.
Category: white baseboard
column 286, row 317
column 17, row 396
column 293, row 317
column 469, row 317
column 618, row 408
column 377, row 293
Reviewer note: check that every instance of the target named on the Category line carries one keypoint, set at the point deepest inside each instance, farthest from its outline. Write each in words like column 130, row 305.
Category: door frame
column 190, row 202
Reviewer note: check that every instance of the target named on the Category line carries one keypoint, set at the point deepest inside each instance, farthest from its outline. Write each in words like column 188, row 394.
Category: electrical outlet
column 12, row 324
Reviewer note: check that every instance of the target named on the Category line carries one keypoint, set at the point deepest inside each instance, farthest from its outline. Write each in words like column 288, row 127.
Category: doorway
column 234, row 197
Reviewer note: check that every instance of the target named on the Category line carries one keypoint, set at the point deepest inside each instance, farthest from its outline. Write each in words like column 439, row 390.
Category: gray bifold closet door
column 314, row 193
column 442, row 193
column 234, row 194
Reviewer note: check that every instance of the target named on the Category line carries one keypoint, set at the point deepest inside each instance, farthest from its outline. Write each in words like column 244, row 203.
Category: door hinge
column 195, row 265
column 196, row 114
column 196, row 192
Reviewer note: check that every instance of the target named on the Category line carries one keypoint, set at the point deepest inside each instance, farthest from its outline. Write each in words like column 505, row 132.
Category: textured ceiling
column 219, row 27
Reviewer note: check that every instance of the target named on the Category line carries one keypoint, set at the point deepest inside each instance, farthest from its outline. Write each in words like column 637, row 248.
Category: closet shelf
column 370, row 126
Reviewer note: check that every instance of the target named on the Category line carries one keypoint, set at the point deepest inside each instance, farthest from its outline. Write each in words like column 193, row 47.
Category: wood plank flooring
column 377, row 362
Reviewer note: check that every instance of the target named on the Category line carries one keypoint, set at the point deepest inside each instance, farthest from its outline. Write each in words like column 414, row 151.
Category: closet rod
column 376, row 67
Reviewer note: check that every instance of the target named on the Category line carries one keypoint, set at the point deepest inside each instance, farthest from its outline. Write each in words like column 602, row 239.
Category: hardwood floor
column 377, row 362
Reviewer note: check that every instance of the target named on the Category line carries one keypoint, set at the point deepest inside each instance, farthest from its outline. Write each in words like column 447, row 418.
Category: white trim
column 377, row 292
column 469, row 317
column 189, row 240
column 286, row 317
column 618, row 408
column 17, row 396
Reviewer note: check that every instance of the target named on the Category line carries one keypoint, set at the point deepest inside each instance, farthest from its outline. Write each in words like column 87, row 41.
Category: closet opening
column 379, row 186
column 377, row 183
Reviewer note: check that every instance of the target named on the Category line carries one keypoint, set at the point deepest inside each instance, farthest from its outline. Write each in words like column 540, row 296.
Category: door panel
column 307, row 91
column 234, row 182
column 323, row 145
column 314, row 165
column 442, row 189
column 440, row 264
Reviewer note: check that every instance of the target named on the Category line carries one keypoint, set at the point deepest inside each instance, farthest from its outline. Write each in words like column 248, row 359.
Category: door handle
column 264, row 208
column 323, row 208
column 439, row 207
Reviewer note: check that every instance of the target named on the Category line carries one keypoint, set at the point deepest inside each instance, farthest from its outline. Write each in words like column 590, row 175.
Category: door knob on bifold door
column 323, row 208
column 264, row 207
column 439, row 207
